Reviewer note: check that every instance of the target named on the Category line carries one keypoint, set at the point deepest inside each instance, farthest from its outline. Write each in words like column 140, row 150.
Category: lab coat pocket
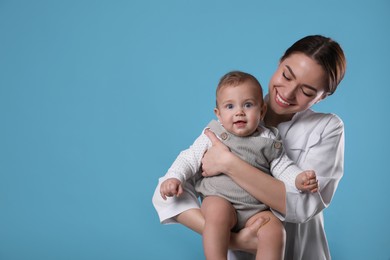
column 295, row 148
column 301, row 145
column 314, row 139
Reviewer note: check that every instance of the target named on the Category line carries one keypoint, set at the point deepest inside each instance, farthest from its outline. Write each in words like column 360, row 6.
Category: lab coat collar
column 299, row 131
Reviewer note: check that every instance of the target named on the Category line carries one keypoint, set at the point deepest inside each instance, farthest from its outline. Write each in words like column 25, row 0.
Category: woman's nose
column 290, row 91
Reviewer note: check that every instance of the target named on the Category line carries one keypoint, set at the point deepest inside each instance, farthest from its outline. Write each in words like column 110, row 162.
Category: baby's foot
column 246, row 239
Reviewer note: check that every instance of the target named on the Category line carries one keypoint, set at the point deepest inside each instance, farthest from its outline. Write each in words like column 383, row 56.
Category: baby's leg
column 193, row 219
column 271, row 237
column 220, row 217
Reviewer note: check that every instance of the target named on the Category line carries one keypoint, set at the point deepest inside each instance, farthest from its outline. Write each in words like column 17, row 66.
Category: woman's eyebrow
column 291, row 72
column 293, row 75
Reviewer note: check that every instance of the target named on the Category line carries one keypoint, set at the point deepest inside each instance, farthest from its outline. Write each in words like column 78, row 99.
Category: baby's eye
column 248, row 105
column 229, row 106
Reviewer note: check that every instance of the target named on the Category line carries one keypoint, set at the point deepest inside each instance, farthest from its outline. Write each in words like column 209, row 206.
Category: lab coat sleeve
column 324, row 153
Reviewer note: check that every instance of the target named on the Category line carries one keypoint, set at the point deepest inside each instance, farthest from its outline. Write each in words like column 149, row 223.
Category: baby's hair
column 234, row 78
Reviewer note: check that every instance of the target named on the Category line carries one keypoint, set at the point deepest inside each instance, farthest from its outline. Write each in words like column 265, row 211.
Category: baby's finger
column 310, row 174
column 163, row 195
column 172, row 188
column 313, row 187
column 314, row 190
column 179, row 191
column 306, row 180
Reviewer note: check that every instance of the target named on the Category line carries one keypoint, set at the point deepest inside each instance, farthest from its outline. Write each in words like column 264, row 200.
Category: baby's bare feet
column 246, row 239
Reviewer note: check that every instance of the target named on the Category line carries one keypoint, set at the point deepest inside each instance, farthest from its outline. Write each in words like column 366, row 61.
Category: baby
column 225, row 205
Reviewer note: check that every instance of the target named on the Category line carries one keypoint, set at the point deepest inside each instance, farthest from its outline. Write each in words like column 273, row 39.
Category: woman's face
column 298, row 83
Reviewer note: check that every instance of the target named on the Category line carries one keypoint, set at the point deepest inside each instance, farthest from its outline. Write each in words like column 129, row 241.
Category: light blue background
column 98, row 97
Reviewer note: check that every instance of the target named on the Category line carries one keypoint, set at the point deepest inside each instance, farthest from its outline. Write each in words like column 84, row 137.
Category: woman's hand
column 216, row 159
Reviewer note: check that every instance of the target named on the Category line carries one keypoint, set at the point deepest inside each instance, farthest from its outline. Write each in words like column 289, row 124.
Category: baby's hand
column 307, row 181
column 171, row 187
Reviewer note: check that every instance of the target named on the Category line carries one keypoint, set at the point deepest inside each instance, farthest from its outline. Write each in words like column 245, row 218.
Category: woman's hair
column 234, row 78
column 327, row 53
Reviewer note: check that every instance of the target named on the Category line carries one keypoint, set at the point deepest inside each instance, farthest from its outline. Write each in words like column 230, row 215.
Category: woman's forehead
column 305, row 70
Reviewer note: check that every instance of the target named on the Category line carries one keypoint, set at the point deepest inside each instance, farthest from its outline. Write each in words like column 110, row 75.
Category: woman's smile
column 281, row 101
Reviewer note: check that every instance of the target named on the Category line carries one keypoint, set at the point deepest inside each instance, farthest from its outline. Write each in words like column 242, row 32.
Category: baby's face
column 240, row 108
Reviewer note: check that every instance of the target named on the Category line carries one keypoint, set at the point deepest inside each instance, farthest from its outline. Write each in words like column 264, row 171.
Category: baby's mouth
column 240, row 123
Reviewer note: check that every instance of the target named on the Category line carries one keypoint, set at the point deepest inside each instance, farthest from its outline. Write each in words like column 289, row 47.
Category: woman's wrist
column 260, row 185
column 230, row 163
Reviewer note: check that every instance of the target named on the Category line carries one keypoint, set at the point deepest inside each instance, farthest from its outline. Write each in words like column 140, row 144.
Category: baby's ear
column 263, row 110
column 217, row 113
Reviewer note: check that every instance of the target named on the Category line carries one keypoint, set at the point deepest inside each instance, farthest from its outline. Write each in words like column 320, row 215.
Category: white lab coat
column 314, row 141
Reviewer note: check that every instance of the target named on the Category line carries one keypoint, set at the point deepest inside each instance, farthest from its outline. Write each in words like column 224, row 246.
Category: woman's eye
column 307, row 93
column 285, row 76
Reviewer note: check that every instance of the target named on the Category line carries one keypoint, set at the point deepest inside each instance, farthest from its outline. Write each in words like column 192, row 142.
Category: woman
column 309, row 71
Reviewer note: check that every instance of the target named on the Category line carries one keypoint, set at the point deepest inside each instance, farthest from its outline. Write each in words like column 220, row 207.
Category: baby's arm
column 307, row 181
column 284, row 169
column 171, row 187
column 186, row 165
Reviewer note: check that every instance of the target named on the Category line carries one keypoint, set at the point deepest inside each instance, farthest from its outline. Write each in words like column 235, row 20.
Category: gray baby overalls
column 256, row 150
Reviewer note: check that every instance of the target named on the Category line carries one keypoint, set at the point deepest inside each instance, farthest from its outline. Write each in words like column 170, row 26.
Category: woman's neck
column 273, row 119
